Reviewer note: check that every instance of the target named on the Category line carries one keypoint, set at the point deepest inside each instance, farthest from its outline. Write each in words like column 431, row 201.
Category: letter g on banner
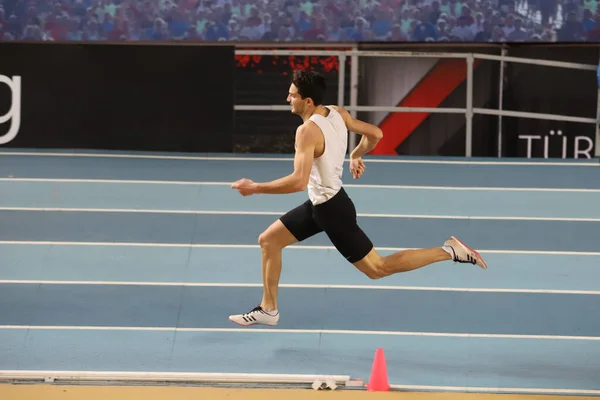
column 14, row 112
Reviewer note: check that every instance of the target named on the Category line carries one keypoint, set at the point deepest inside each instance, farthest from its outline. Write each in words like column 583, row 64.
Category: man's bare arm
column 371, row 134
column 306, row 138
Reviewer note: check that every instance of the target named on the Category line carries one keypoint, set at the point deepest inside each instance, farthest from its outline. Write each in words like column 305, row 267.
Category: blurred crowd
column 301, row 20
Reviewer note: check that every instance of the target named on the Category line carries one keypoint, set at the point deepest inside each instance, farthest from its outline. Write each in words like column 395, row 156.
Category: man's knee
column 265, row 240
column 372, row 271
column 372, row 265
column 375, row 271
column 270, row 242
column 275, row 238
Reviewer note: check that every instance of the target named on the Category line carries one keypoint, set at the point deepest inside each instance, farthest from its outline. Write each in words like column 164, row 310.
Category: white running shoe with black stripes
column 255, row 316
column 463, row 253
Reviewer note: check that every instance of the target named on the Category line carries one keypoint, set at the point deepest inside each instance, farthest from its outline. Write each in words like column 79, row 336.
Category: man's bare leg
column 272, row 241
column 376, row 266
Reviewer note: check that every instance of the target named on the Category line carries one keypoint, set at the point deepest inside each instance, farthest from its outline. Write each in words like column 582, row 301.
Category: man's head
column 306, row 91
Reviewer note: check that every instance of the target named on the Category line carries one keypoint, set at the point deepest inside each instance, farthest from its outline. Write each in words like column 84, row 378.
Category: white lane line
column 394, row 160
column 228, row 212
column 210, row 377
column 256, row 246
column 349, row 185
column 270, row 330
column 299, row 286
column 480, row 389
column 141, row 211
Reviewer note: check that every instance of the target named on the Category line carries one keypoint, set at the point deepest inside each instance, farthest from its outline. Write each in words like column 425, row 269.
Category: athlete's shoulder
column 339, row 109
column 342, row 111
column 307, row 130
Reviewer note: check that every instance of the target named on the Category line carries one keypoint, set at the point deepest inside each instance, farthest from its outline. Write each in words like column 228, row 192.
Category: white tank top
column 326, row 174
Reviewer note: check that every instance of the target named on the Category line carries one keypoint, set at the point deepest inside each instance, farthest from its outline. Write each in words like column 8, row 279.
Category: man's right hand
column 357, row 167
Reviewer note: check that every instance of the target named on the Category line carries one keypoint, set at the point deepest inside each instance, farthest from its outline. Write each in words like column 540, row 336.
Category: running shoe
column 255, row 316
column 463, row 253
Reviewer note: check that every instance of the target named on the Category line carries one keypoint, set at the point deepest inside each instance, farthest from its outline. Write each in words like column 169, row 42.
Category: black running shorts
column 337, row 218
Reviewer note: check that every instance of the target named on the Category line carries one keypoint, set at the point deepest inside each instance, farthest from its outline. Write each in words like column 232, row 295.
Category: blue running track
column 116, row 262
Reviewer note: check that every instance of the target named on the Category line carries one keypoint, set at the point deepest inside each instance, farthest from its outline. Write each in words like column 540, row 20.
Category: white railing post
column 469, row 113
column 353, row 93
column 597, row 149
column 500, row 100
column 341, row 79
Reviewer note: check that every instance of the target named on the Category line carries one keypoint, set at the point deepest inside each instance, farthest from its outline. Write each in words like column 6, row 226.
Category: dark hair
column 310, row 84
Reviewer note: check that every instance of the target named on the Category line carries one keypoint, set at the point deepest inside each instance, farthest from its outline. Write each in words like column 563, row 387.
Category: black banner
column 555, row 91
column 118, row 97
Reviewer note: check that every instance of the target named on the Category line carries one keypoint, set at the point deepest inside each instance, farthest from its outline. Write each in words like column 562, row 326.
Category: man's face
column 298, row 104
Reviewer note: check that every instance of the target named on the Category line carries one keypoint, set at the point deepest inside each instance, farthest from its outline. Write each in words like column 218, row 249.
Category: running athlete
column 321, row 145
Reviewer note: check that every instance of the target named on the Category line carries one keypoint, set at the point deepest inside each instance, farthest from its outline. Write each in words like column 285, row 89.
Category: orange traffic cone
column 378, row 382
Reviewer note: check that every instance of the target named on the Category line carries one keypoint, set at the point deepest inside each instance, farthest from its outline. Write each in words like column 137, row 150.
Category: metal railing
column 469, row 111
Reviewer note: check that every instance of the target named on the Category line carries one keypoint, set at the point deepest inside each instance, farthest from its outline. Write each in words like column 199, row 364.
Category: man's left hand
column 357, row 167
column 245, row 186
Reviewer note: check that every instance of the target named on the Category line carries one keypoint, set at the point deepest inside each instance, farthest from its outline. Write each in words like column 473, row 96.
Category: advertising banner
column 117, row 97
column 555, row 91
column 551, row 139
